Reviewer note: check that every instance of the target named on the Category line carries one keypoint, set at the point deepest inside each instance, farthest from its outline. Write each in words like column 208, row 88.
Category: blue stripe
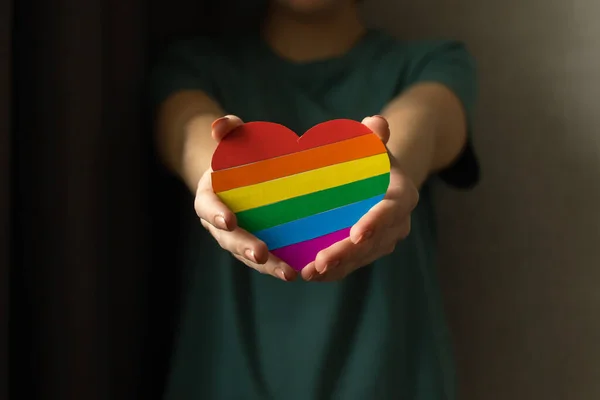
column 316, row 225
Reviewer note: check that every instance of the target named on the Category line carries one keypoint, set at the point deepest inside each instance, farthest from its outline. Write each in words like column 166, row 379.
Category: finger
column 239, row 242
column 222, row 126
column 210, row 208
column 379, row 126
column 400, row 200
column 354, row 256
column 310, row 274
column 380, row 216
column 340, row 253
column 274, row 266
column 331, row 275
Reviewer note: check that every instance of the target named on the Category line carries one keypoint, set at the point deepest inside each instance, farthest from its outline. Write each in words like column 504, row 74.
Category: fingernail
column 366, row 235
column 309, row 277
column 380, row 117
column 219, row 122
column 330, row 265
column 220, row 222
column 279, row 272
column 249, row 254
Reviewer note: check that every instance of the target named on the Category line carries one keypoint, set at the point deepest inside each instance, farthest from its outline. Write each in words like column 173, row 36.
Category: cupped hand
column 221, row 223
column 377, row 232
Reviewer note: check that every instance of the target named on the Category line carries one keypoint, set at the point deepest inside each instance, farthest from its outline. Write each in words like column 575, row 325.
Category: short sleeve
column 450, row 64
column 185, row 65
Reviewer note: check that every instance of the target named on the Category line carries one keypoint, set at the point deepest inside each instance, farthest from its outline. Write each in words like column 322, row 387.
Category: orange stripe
column 291, row 164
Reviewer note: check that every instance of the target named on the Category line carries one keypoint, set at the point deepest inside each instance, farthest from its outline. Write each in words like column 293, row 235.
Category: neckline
column 283, row 62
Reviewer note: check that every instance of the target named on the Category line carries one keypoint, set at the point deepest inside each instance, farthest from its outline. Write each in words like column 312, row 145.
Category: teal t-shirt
column 378, row 334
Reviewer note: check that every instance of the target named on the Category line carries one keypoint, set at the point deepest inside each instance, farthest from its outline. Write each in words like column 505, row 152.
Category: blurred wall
column 521, row 254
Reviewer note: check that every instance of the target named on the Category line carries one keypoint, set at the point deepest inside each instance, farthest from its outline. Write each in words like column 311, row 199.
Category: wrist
column 413, row 152
column 197, row 150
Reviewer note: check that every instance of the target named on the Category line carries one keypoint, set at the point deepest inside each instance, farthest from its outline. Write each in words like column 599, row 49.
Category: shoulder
column 195, row 63
column 444, row 61
column 416, row 54
column 394, row 64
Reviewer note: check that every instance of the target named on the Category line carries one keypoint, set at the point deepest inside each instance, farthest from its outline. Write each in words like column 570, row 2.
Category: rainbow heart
column 300, row 195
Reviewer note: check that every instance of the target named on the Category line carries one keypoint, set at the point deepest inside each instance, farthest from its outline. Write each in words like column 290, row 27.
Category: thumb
column 222, row 126
column 379, row 126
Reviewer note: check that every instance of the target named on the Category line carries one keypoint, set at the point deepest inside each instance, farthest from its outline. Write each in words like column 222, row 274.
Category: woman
column 364, row 321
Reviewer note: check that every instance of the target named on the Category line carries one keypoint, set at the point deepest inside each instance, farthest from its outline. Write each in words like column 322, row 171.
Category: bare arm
column 428, row 129
column 188, row 128
column 425, row 130
column 183, row 134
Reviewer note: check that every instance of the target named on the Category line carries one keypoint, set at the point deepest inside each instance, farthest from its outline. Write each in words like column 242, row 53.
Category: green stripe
column 285, row 211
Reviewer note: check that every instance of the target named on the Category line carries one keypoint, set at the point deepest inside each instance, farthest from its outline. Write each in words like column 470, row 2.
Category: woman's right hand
column 221, row 222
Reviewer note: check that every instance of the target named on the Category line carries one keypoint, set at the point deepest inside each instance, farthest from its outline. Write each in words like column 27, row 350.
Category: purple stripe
column 301, row 254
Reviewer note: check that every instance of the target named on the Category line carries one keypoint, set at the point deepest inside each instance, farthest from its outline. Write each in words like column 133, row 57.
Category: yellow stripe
column 261, row 194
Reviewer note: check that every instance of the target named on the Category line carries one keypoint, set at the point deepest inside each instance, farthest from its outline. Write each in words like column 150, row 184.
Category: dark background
column 93, row 258
column 88, row 220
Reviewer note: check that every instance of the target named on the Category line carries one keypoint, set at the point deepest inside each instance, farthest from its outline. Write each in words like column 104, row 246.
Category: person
column 365, row 320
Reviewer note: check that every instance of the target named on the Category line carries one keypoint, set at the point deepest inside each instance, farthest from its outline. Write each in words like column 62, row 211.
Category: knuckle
column 239, row 248
column 270, row 269
column 322, row 260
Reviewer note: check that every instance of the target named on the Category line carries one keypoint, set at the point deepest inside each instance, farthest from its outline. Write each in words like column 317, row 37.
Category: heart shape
column 300, row 195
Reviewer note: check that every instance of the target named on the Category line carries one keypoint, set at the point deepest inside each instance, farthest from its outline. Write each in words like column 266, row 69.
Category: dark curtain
column 94, row 221
column 5, row 38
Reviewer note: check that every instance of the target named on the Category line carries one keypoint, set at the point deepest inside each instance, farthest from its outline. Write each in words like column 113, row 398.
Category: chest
column 302, row 98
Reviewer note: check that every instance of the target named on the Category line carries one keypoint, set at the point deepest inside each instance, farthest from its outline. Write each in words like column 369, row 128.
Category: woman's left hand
column 377, row 232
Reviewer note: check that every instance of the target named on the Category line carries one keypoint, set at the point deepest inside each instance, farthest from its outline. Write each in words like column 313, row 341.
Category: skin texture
column 424, row 130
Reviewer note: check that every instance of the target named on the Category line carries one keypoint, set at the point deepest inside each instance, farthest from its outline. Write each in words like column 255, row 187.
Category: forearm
column 183, row 134
column 427, row 130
